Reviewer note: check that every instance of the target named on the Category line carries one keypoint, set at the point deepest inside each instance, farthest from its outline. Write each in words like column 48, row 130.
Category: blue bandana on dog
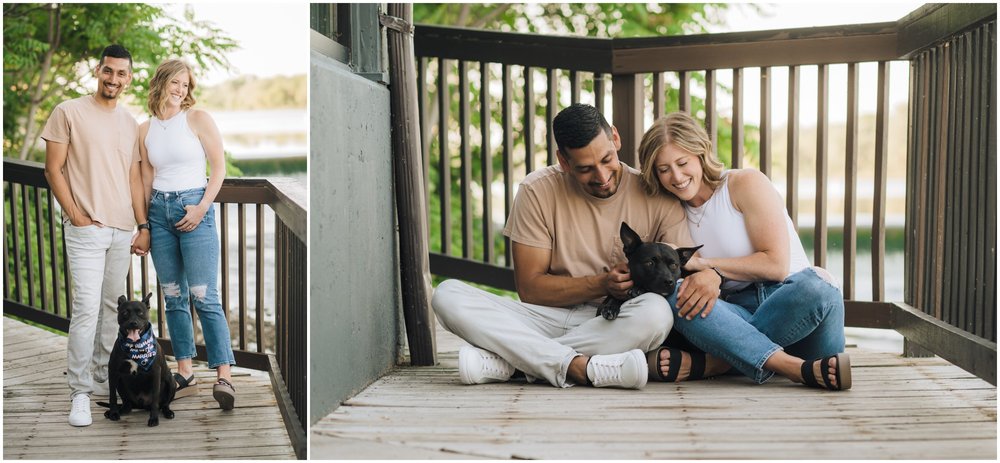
column 142, row 351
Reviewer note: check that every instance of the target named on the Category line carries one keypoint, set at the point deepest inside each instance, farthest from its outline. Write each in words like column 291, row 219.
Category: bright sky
column 743, row 17
column 273, row 37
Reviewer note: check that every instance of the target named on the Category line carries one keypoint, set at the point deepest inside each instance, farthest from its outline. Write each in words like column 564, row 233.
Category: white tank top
column 721, row 228
column 176, row 154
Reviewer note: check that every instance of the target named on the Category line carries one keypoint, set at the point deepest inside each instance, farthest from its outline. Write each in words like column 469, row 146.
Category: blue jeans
column 804, row 315
column 187, row 263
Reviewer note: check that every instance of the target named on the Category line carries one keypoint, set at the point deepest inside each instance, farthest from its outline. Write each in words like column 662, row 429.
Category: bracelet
column 717, row 272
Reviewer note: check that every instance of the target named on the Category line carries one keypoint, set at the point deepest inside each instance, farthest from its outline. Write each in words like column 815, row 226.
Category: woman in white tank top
column 174, row 145
column 753, row 302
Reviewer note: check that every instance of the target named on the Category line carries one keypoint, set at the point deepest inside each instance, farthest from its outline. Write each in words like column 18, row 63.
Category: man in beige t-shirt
column 92, row 166
column 567, row 255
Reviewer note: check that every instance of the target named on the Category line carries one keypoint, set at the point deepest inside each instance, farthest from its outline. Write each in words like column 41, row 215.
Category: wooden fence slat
column 529, row 117
column 25, row 213
column 574, row 86
column 259, row 261
column 486, row 156
column 53, row 266
column 951, row 157
column 792, row 175
column 465, row 151
column 551, row 103
column 822, row 172
column 444, row 159
column 508, row 151
column 765, row 121
column 851, row 183
column 224, row 257
column 658, row 95
column 12, row 190
column 940, row 183
column 881, row 159
column 425, row 125
column 599, row 92
column 736, row 159
column 711, row 115
column 241, row 223
column 685, row 91
column 39, row 232
column 974, row 224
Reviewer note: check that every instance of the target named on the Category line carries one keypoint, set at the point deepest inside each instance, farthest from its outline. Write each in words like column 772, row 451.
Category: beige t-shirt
column 552, row 211
column 102, row 148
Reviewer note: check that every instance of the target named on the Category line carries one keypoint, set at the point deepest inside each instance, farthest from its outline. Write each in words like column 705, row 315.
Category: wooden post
column 409, row 181
column 626, row 94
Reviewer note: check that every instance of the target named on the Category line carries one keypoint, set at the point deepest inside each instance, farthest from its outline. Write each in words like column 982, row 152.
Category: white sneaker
column 478, row 366
column 626, row 370
column 80, row 414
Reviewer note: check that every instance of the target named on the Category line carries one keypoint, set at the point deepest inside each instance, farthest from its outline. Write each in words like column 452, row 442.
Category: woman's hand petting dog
column 698, row 293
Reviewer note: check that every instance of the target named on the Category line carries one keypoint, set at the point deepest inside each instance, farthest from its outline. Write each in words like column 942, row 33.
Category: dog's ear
column 122, row 300
column 686, row 253
column 630, row 239
column 145, row 300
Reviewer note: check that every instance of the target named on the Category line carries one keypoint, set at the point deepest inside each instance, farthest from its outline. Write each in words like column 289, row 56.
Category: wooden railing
column 269, row 334
column 455, row 65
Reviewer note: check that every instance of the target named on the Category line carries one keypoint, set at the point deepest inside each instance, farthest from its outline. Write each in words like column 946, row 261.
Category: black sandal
column 185, row 386
column 676, row 355
column 843, row 373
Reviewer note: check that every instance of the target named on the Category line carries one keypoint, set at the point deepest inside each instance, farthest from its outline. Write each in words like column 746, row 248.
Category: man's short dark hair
column 117, row 51
column 577, row 126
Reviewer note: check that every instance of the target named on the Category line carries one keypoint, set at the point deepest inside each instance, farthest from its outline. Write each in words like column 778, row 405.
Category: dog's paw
column 153, row 421
column 168, row 414
column 112, row 415
column 609, row 308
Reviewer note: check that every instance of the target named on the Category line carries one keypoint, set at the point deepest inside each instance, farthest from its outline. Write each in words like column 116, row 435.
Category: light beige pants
column 541, row 341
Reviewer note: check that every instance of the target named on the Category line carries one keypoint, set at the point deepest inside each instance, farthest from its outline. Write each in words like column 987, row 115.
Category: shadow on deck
column 899, row 408
column 36, row 404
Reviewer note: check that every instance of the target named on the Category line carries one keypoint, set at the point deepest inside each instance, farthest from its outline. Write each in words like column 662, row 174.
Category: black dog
column 654, row 268
column 137, row 369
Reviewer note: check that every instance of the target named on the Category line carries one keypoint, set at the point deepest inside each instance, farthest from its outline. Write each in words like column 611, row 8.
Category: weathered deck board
column 919, row 408
column 36, row 405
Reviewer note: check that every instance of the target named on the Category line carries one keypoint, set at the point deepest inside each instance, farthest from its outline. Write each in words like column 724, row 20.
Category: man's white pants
column 541, row 341
column 98, row 263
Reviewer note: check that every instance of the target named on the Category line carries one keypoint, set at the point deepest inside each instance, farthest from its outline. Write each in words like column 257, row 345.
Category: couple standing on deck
column 109, row 174
column 753, row 303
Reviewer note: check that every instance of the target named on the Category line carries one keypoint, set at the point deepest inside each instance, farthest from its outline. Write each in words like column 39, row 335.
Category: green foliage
column 585, row 19
column 251, row 92
column 51, row 51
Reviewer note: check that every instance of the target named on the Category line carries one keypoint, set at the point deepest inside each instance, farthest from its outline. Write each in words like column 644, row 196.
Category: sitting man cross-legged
column 567, row 256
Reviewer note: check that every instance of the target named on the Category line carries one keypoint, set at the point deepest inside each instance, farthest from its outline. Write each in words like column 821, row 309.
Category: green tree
column 50, row 51
column 585, row 19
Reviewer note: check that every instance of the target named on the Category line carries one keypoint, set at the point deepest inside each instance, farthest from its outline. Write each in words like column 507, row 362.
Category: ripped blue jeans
column 802, row 315
column 187, row 265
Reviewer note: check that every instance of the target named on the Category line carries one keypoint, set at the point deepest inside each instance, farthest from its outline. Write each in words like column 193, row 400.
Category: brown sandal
column 225, row 394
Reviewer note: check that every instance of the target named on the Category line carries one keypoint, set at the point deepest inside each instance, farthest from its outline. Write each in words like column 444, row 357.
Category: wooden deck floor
column 36, row 407
column 899, row 408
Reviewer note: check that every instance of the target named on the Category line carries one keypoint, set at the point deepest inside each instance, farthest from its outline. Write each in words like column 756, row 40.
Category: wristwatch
column 143, row 226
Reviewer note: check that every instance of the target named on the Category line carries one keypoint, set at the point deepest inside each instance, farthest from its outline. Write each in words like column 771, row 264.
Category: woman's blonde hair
column 157, row 100
column 681, row 130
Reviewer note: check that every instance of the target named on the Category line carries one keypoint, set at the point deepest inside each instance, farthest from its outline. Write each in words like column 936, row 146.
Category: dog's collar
column 142, row 352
